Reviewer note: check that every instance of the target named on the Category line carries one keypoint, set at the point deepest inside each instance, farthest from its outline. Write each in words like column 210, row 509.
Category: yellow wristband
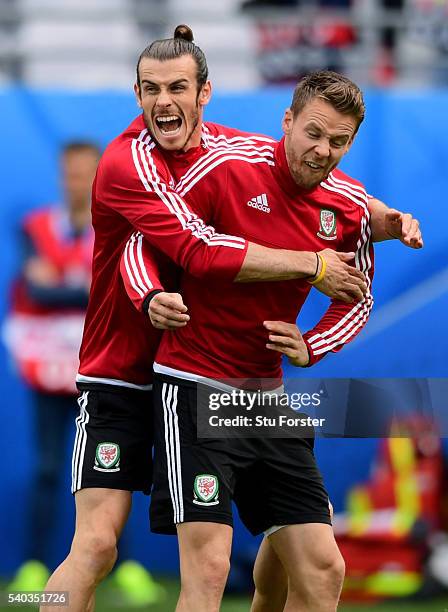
column 322, row 272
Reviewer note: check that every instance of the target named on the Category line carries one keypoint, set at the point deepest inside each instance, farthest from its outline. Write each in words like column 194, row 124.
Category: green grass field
column 239, row 604
column 109, row 600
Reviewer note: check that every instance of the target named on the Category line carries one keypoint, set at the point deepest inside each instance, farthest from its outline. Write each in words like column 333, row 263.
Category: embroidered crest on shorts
column 206, row 490
column 327, row 229
column 107, row 457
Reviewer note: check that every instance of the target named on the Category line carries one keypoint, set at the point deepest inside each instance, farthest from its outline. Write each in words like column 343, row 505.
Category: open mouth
column 313, row 166
column 169, row 124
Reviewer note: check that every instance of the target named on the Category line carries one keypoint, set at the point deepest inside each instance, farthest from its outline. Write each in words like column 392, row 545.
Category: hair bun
column 183, row 31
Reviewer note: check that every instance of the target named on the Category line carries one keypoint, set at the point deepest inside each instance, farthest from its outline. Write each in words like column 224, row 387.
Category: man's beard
column 301, row 182
column 188, row 136
column 308, row 184
column 193, row 127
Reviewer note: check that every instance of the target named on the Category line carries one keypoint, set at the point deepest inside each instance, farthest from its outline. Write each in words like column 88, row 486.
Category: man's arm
column 341, row 322
column 135, row 189
column 389, row 224
column 340, row 280
column 287, row 339
column 144, row 286
column 337, row 328
column 141, row 277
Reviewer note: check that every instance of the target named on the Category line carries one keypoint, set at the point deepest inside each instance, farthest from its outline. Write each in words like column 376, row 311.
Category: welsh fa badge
column 327, row 229
column 206, row 490
column 107, row 457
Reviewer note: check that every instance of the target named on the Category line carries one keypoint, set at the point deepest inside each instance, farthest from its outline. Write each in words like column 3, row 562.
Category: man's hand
column 404, row 227
column 286, row 338
column 388, row 224
column 168, row 311
column 341, row 281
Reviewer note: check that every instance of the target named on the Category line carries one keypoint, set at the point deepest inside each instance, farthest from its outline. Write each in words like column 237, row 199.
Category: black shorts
column 272, row 481
column 114, row 438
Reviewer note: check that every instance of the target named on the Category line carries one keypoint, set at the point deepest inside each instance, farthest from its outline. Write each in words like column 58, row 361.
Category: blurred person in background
column 43, row 334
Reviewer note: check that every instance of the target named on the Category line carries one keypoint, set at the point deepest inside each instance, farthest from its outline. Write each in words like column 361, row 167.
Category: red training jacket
column 244, row 187
column 133, row 189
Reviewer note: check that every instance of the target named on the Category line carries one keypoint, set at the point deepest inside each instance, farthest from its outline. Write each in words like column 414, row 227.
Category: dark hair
column 334, row 88
column 171, row 48
column 76, row 146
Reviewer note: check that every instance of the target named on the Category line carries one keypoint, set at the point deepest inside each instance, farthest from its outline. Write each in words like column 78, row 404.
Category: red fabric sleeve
column 140, row 270
column 342, row 322
column 134, row 183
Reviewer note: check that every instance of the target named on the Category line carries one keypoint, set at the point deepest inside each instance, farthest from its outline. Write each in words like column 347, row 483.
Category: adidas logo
column 260, row 202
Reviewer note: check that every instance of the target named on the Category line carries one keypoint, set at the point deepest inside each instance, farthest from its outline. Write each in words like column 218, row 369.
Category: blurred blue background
column 400, row 155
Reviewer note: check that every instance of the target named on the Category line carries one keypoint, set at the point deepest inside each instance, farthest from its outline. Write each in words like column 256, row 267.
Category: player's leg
column 100, row 518
column 112, row 457
column 204, row 550
column 191, row 494
column 287, row 489
column 314, row 565
column 251, row 496
column 295, row 496
column 270, row 579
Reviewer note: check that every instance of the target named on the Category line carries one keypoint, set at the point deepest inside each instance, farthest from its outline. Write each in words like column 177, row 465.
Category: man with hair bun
column 135, row 190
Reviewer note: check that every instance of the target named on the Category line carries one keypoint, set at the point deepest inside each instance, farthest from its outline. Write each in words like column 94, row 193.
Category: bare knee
column 97, row 551
column 326, row 574
column 208, row 566
column 339, row 567
column 100, row 517
column 215, row 568
column 204, row 550
column 334, row 569
column 330, row 564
